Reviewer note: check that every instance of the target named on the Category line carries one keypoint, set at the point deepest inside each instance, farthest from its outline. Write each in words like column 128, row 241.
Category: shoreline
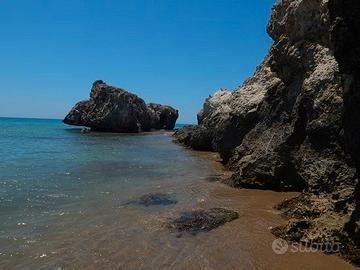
column 87, row 220
column 279, row 199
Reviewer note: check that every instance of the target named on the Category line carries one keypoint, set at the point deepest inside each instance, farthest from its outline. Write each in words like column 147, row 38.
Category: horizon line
column 40, row 118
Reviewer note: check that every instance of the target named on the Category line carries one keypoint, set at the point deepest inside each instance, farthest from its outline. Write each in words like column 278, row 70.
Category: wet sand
column 250, row 236
column 142, row 242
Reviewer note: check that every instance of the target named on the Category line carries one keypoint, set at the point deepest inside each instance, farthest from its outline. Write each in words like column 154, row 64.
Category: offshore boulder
column 113, row 109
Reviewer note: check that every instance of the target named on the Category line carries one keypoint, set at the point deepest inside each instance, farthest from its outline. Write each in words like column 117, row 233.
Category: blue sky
column 175, row 52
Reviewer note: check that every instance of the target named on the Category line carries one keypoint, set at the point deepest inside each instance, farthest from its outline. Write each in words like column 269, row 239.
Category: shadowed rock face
column 116, row 110
column 345, row 36
column 295, row 124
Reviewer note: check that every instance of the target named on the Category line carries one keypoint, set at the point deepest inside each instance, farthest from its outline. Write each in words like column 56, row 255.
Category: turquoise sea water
column 56, row 181
column 64, row 204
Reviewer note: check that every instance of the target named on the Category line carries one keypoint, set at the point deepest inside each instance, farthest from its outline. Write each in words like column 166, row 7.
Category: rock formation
column 295, row 124
column 197, row 221
column 162, row 116
column 116, row 110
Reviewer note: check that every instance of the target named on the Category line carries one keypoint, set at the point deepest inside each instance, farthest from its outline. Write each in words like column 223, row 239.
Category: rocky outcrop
column 295, row 125
column 117, row 110
column 227, row 117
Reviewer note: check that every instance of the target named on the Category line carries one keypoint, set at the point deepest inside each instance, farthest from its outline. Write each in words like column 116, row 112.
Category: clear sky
column 175, row 52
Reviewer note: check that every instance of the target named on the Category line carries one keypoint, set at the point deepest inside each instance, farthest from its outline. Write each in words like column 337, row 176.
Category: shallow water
column 64, row 204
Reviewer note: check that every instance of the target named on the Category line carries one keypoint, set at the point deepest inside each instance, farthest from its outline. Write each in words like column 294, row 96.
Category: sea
column 72, row 200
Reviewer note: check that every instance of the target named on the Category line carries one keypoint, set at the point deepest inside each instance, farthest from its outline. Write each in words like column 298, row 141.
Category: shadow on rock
column 194, row 222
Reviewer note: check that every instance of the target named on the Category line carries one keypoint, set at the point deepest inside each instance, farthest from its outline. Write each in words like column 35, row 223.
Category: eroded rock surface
column 295, row 124
column 114, row 109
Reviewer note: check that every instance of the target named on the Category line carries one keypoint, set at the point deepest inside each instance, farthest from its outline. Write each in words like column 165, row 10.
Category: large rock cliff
column 295, row 124
column 117, row 110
